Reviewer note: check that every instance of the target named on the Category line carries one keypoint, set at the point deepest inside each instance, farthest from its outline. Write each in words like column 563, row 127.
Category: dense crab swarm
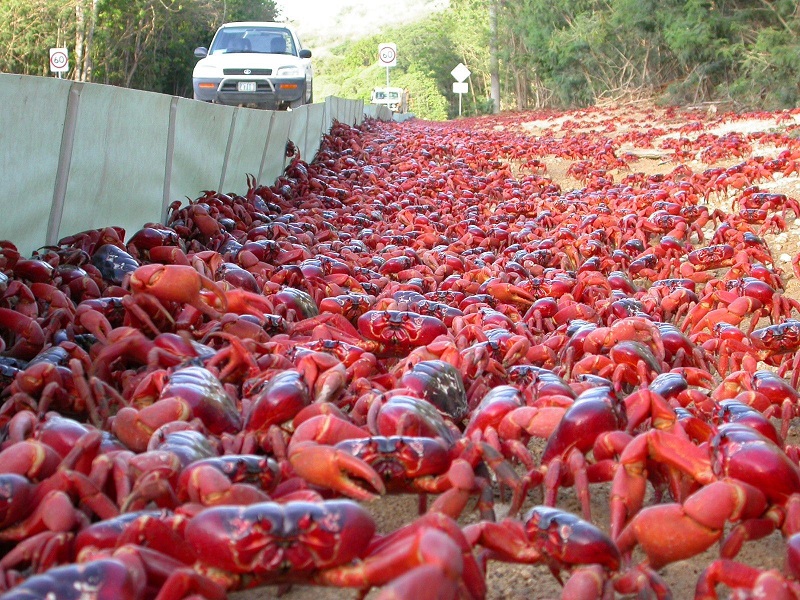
column 211, row 405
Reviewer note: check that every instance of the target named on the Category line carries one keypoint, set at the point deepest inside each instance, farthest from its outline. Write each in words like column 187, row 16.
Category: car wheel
column 310, row 94
column 299, row 102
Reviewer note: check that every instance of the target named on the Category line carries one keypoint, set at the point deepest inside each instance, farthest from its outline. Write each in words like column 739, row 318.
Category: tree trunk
column 494, row 62
column 521, row 77
column 80, row 28
column 87, row 56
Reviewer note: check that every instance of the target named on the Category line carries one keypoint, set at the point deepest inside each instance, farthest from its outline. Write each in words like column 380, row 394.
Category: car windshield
column 263, row 40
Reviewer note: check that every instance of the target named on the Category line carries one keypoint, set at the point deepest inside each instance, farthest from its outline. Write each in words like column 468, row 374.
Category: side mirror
column 304, row 53
column 201, row 52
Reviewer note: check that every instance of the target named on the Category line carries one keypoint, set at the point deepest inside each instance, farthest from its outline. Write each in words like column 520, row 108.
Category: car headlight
column 289, row 72
column 201, row 70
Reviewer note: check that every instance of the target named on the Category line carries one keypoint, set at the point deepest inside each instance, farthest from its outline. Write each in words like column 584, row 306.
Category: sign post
column 460, row 87
column 59, row 61
column 387, row 57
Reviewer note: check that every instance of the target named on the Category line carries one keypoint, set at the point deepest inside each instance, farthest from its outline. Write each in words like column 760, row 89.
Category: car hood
column 246, row 60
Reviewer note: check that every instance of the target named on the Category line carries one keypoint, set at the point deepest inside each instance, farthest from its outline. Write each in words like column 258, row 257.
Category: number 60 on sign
column 59, row 60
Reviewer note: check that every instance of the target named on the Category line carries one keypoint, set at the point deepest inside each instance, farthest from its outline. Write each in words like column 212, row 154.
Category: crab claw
column 331, row 468
column 512, row 294
column 425, row 581
column 178, row 283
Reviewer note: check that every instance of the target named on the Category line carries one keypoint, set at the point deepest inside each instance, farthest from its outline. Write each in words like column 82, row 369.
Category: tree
column 559, row 53
column 30, row 29
column 85, row 23
column 494, row 61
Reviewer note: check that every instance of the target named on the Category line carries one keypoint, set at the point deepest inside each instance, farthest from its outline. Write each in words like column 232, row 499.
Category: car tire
column 310, row 94
column 301, row 100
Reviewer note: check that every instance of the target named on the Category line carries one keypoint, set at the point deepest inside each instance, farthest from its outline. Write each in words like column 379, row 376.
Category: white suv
column 254, row 64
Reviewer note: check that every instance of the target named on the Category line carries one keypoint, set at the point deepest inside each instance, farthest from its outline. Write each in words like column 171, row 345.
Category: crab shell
column 282, row 542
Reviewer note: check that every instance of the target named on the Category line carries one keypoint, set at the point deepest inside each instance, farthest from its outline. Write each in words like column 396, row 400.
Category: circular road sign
column 59, row 62
column 387, row 55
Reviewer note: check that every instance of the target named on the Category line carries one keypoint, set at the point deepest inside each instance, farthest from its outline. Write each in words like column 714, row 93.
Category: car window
column 253, row 39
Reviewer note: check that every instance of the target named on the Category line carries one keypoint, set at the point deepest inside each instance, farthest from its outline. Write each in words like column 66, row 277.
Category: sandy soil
column 510, row 581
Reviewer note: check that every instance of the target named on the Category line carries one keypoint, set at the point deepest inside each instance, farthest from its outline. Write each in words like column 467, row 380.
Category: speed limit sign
column 59, row 60
column 387, row 55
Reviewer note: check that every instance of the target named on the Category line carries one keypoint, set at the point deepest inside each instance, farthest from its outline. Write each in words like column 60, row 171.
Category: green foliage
column 30, row 28
column 148, row 44
column 360, row 54
column 575, row 52
column 145, row 44
column 770, row 75
column 250, row 10
column 552, row 53
column 427, row 102
column 426, row 53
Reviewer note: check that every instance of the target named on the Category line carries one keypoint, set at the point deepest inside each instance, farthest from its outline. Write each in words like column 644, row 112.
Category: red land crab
column 595, row 418
column 385, row 333
column 751, row 581
column 411, row 450
column 734, row 310
column 396, row 332
column 273, row 399
column 327, row 543
column 737, row 487
column 780, row 343
column 503, row 420
column 231, row 479
column 773, row 395
column 769, row 201
column 125, row 576
column 564, row 542
column 185, row 394
column 177, row 283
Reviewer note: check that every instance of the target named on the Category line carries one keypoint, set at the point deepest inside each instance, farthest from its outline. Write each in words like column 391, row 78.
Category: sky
column 329, row 21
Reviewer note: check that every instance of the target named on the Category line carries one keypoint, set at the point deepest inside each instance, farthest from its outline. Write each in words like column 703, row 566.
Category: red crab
column 564, row 542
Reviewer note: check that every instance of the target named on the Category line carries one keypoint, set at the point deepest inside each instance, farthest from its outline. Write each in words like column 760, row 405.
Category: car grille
column 252, row 71
column 261, row 87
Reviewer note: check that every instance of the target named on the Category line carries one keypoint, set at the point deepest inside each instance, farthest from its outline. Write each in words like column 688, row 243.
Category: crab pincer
column 321, row 464
column 178, row 283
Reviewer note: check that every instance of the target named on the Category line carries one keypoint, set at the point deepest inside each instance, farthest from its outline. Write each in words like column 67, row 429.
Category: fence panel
column 275, row 155
column 116, row 176
column 201, row 134
column 33, row 115
column 81, row 156
column 246, row 148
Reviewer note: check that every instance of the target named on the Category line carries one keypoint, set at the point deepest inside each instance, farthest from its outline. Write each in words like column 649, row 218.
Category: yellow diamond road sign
column 461, row 72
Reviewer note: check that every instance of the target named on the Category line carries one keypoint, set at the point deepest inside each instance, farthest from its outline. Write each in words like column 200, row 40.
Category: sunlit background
column 325, row 22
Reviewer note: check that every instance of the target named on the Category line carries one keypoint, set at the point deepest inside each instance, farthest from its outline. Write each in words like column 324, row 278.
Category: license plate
column 246, row 86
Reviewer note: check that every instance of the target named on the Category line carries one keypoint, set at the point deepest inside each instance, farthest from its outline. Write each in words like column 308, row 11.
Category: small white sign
column 59, row 60
column 387, row 55
column 461, row 72
column 460, row 87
